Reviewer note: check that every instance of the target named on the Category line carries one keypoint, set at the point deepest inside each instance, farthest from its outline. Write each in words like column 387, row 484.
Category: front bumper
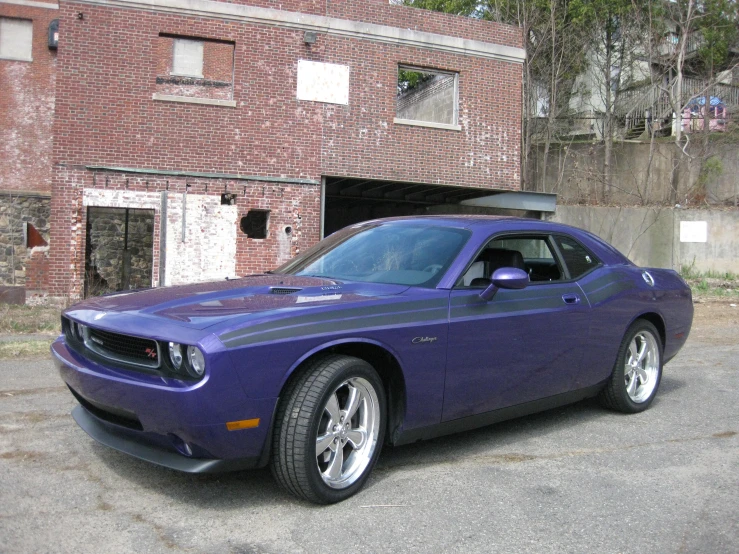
column 123, row 440
column 177, row 424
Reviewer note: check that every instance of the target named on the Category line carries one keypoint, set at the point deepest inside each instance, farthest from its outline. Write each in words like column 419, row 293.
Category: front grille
column 123, row 348
column 277, row 290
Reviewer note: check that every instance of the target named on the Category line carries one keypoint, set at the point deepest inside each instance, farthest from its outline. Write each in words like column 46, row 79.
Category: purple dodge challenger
column 389, row 331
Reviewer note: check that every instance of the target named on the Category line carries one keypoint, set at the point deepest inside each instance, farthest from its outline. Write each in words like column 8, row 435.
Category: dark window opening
column 119, row 249
column 254, row 224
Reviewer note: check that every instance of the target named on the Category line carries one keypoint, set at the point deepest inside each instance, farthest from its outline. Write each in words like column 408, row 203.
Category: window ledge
column 11, row 59
column 186, row 75
column 193, row 100
column 431, row 124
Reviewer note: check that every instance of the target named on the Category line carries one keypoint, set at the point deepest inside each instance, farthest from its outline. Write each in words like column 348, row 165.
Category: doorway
column 119, row 250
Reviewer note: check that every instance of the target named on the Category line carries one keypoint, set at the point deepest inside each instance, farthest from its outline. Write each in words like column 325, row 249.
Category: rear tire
column 329, row 429
column 638, row 370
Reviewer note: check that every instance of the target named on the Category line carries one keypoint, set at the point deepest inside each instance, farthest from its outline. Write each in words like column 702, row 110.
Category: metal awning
column 376, row 191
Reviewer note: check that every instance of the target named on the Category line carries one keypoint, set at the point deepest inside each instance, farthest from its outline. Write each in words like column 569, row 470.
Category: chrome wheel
column 641, row 367
column 347, row 433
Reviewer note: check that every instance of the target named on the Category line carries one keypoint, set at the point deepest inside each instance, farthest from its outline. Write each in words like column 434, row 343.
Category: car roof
column 493, row 223
column 467, row 221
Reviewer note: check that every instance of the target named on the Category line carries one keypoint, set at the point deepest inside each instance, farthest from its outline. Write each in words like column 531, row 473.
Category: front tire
column 329, row 429
column 638, row 370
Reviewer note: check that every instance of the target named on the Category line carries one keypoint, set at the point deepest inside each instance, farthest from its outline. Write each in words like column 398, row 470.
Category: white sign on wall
column 693, row 231
column 323, row 82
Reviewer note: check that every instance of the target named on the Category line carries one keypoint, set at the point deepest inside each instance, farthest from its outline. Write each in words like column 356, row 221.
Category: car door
column 520, row 346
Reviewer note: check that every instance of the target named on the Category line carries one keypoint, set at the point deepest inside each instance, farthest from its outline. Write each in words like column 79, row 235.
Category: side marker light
column 243, row 424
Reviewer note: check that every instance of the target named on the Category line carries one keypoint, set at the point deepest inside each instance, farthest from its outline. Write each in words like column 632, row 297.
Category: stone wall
column 15, row 210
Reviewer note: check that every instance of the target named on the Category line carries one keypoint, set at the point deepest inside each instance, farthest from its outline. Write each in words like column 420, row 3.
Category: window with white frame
column 426, row 97
column 16, row 39
column 187, row 59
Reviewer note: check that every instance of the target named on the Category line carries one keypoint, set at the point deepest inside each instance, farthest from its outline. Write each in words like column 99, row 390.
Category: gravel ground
column 574, row 479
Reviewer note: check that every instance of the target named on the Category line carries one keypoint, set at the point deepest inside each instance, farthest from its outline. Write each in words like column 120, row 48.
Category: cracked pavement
column 574, row 479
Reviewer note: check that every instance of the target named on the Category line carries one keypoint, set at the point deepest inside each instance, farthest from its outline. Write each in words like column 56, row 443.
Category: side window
column 531, row 254
column 578, row 260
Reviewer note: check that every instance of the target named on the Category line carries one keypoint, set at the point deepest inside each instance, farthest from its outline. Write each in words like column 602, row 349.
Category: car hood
column 202, row 305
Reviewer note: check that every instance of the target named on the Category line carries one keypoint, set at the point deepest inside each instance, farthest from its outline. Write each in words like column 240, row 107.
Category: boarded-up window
column 188, row 67
column 323, row 82
column 188, row 57
column 16, row 36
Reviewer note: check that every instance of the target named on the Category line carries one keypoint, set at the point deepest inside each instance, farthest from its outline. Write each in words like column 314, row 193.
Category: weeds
column 24, row 349
column 21, row 320
column 716, row 284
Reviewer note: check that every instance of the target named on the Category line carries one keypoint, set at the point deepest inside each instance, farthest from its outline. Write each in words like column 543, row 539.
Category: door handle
column 571, row 298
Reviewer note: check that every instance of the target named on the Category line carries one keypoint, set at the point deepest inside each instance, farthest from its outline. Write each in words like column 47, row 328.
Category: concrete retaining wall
column 574, row 173
column 651, row 237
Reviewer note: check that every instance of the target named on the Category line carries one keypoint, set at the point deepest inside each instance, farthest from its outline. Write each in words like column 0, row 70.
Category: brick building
column 199, row 139
column 27, row 90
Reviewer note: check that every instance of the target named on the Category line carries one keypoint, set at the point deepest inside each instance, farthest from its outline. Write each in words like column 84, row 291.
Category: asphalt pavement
column 575, row 479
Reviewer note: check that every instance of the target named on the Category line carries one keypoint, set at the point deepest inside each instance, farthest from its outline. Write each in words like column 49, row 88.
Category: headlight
column 175, row 354
column 196, row 367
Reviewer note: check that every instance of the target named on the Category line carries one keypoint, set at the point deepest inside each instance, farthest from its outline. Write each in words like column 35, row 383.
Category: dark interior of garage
column 352, row 200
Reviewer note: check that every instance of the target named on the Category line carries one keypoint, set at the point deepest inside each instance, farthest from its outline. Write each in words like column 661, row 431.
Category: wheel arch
column 655, row 319
column 380, row 357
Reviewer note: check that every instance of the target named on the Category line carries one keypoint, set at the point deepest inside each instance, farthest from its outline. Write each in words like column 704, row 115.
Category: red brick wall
column 27, row 108
column 218, row 59
column 293, row 205
column 105, row 115
column 382, row 12
column 37, row 270
column 364, row 141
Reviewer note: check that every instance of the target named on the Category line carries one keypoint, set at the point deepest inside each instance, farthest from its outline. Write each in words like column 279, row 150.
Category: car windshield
column 395, row 253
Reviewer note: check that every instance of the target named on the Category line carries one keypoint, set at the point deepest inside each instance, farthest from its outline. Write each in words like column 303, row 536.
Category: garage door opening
column 350, row 200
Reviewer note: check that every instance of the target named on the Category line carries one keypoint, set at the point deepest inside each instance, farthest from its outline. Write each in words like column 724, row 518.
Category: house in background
column 640, row 90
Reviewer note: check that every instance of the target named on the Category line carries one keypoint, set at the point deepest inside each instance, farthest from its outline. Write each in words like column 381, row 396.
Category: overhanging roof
column 376, row 191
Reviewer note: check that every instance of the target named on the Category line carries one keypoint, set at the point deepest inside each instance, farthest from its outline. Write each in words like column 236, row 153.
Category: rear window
column 577, row 259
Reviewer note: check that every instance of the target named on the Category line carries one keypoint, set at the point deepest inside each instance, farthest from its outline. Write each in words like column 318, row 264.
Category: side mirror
column 505, row 278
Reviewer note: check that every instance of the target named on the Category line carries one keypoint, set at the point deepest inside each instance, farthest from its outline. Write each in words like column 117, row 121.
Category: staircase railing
column 654, row 101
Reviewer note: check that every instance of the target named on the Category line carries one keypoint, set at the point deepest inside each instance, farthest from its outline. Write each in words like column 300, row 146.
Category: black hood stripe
column 305, row 330
column 338, row 312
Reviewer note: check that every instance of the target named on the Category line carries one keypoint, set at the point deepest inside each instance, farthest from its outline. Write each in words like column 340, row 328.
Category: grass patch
column 23, row 320
column 711, row 284
column 25, row 349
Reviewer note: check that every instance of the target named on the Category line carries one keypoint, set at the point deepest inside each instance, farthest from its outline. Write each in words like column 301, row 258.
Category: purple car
column 391, row 330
